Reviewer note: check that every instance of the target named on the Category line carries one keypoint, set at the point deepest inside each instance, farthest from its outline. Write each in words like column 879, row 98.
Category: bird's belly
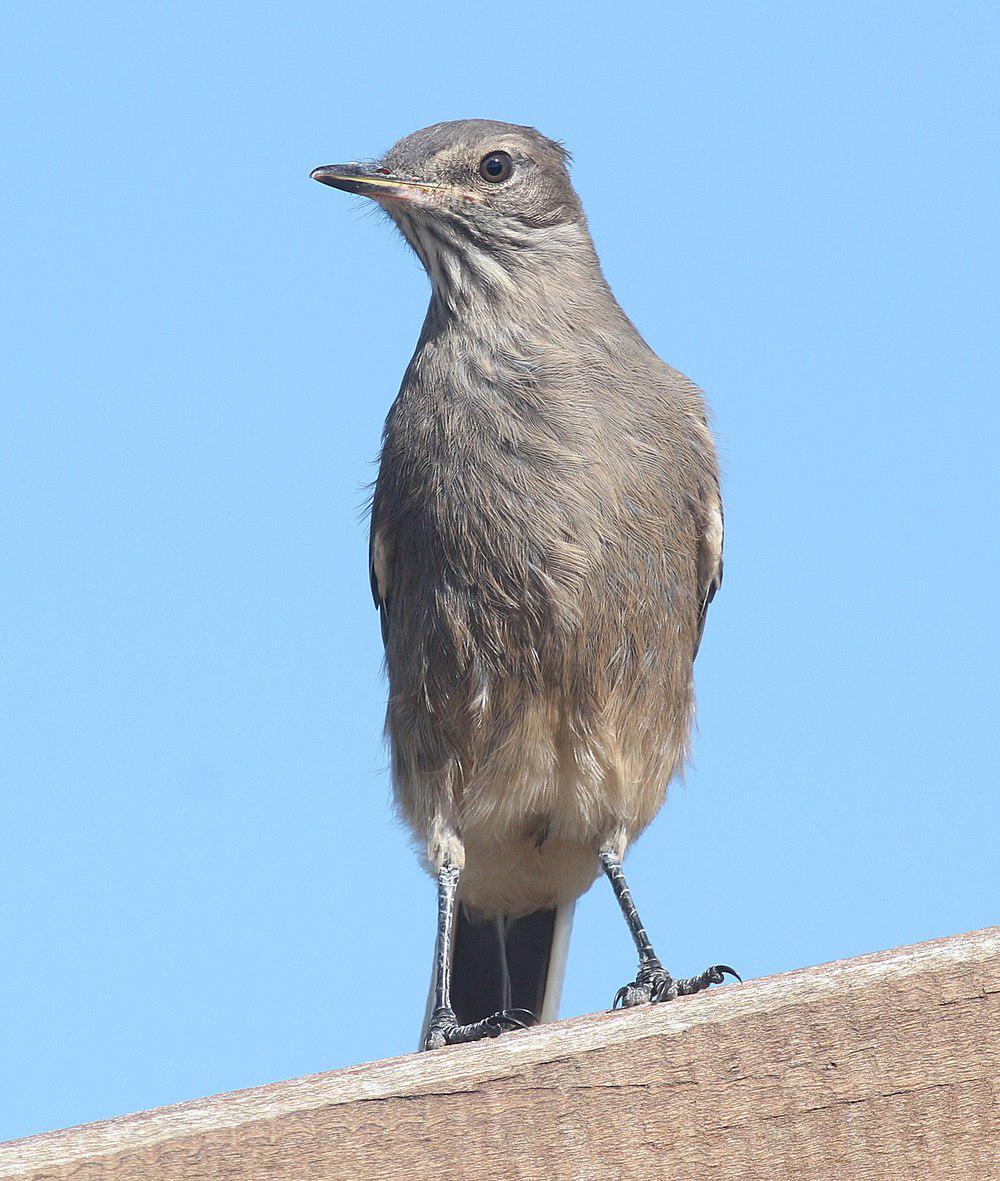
column 539, row 681
column 516, row 877
column 573, row 737
column 551, row 765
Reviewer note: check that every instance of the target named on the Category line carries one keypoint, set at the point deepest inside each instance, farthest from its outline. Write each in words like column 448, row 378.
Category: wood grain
column 882, row 1067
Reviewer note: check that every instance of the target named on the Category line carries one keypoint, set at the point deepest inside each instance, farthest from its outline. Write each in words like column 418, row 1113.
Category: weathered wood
column 882, row 1067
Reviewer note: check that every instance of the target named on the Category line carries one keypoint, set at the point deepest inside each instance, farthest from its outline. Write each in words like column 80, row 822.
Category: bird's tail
column 508, row 963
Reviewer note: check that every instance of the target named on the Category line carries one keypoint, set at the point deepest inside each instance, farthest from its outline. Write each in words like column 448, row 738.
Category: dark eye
column 495, row 167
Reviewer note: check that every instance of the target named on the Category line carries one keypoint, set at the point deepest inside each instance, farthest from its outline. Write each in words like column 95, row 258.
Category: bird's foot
column 654, row 983
column 444, row 1029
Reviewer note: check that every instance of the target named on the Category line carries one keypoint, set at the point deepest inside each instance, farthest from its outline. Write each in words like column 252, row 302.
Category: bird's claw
column 716, row 974
column 444, row 1029
column 508, row 1019
column 630, row 995
column 654, row 984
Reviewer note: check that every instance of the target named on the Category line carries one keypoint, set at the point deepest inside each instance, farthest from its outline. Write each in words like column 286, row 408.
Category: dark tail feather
column 509, row 963
column 479, row 977
column 500, row 964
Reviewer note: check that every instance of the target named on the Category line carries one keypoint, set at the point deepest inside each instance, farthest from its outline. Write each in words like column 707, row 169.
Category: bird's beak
column 371, row 180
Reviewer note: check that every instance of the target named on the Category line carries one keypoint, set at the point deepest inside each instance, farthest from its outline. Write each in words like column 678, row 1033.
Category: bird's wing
column 710, row 541
column 378, row 569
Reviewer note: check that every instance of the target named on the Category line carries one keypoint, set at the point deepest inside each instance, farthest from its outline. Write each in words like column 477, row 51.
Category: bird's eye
column 495, row 167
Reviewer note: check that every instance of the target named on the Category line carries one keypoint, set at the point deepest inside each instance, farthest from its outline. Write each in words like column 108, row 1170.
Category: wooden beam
column 880, row 1067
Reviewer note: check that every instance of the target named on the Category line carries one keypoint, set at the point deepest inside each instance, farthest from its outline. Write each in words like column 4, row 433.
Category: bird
column 546, row 537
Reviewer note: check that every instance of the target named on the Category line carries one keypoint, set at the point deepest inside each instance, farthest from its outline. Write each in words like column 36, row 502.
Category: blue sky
column 199, row 868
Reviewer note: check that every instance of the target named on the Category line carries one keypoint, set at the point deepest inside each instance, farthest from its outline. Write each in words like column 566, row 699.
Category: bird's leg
column 443, row 1028
column 652, row 982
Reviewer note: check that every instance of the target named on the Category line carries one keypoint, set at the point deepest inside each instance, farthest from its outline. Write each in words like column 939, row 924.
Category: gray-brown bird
column 546, row 537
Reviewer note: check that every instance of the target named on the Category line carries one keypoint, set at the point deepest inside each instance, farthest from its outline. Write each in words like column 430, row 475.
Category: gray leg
column 653, row 982
column 444, row 1029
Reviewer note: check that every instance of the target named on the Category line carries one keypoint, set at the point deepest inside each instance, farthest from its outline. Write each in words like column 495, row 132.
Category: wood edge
column 449, row 1069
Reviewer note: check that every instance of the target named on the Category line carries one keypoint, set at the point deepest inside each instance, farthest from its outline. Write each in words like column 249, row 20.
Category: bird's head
column 476, row 199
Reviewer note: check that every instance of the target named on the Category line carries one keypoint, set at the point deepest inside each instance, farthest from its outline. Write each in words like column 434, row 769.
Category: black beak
column 370, row 180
